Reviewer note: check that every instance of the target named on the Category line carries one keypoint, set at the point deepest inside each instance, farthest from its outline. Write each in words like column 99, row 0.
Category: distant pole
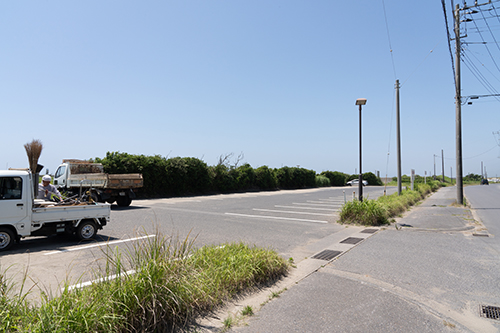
column 442, row 163
column 434, row 166
column 458, row 109
column 398, row 137
column 482, row 173
column 451, row 175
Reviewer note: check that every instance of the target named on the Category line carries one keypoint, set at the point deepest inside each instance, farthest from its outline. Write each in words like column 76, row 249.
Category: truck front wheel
column 6, row 238
column 123, row 201
column 86, row 230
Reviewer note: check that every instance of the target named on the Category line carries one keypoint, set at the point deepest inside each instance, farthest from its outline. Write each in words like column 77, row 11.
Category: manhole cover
column 490, row 312
column 369, row 231
column 352, row 240
column 326, row 255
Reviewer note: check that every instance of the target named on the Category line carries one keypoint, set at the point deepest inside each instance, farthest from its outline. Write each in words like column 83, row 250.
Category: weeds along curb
column 379, row 212
column 172, row 285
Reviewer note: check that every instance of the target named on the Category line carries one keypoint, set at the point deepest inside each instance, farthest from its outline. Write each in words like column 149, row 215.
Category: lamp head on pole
column 361, row 101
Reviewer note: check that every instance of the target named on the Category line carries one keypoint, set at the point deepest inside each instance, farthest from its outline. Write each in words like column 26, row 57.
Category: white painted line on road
column 114, row 276
column 276, row 218
column 313, row 208
column 317, row 202
column 332, row 200
column 291, row 212
column 317, row 205
column 98, row 245
column 107, row 278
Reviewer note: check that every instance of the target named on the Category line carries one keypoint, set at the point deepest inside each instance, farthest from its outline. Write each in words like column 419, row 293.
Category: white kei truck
column 73, row 175
column 22, row 215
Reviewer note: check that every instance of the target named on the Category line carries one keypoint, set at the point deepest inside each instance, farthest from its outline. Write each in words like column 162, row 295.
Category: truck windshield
column 60, row 171
column 11, row 188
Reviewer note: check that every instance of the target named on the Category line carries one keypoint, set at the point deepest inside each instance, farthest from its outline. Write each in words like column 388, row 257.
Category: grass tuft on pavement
column 160, row 284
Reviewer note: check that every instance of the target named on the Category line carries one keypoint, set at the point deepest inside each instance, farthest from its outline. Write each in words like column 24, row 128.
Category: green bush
column 472, row 178
column 222, row 178
column 186, row 175
column 322, row 181
column 152, row 169
column 294, row 177
column 265, row 178
column 245, row 177
column 336, row 178
column 372, row 179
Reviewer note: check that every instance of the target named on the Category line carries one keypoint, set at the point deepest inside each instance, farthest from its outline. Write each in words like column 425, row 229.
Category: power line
column 389, row 39
column 478, row 75
column 449, row 37
column 485, row 21
column 486, row 45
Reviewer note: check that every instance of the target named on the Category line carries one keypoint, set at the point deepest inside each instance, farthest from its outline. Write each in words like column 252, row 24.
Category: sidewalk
column 423, row 274
column 438, row 213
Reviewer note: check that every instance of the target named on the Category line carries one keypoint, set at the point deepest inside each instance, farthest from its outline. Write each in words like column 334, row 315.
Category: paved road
column 286, row 221
column 419, row 277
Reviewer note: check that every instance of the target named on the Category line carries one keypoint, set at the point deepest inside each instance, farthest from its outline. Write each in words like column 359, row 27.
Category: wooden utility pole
column 442, row 163
column 398, row 137
column 458, row 109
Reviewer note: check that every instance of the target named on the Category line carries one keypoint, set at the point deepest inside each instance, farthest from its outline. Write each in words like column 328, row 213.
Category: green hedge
column 188, row 175
column 336, row 178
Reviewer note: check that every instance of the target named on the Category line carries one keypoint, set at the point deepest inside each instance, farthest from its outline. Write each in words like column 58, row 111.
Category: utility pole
column 434, row 166
column 442, row 163
column 458, row 109
column 458, row 98
column 398, row 137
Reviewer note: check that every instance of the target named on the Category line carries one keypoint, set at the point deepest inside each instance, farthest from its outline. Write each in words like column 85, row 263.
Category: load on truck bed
column 75, row 175
column 21, row 215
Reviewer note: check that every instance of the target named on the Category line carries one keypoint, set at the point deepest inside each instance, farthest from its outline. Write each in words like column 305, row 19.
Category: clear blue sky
column 274, row 80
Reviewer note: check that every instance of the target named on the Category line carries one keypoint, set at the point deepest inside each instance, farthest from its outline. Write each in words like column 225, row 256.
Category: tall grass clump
column 155, row 286
column 366, row 212
column 378, row 212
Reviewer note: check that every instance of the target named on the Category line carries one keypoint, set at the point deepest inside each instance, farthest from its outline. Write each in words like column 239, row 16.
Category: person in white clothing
column 46, row 189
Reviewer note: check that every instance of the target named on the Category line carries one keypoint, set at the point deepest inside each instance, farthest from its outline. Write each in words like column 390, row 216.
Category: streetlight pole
column 360, row 102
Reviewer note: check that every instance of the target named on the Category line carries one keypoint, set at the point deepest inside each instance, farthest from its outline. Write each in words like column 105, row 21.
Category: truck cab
column 21, row 215
column 14, row 203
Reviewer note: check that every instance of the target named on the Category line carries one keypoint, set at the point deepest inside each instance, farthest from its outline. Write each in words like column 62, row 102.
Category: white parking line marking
column 317, row 202
column 317, row 205
column 313, row 208
column 107, row 278
column 276, row 218
column 98, row 245
column 290, row 212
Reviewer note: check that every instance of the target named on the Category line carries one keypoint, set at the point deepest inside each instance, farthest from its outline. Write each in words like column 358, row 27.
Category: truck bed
column 103, row 180
column 125, row 181
column 70, row 213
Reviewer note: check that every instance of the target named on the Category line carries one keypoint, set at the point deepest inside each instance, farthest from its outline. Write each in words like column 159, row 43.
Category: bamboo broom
column 34, row 150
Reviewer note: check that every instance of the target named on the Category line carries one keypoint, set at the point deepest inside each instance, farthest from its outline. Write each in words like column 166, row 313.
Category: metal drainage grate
column 490, row 312
column 326, row 255
column 369, row 231
column 352, row 240
column 481, row 235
